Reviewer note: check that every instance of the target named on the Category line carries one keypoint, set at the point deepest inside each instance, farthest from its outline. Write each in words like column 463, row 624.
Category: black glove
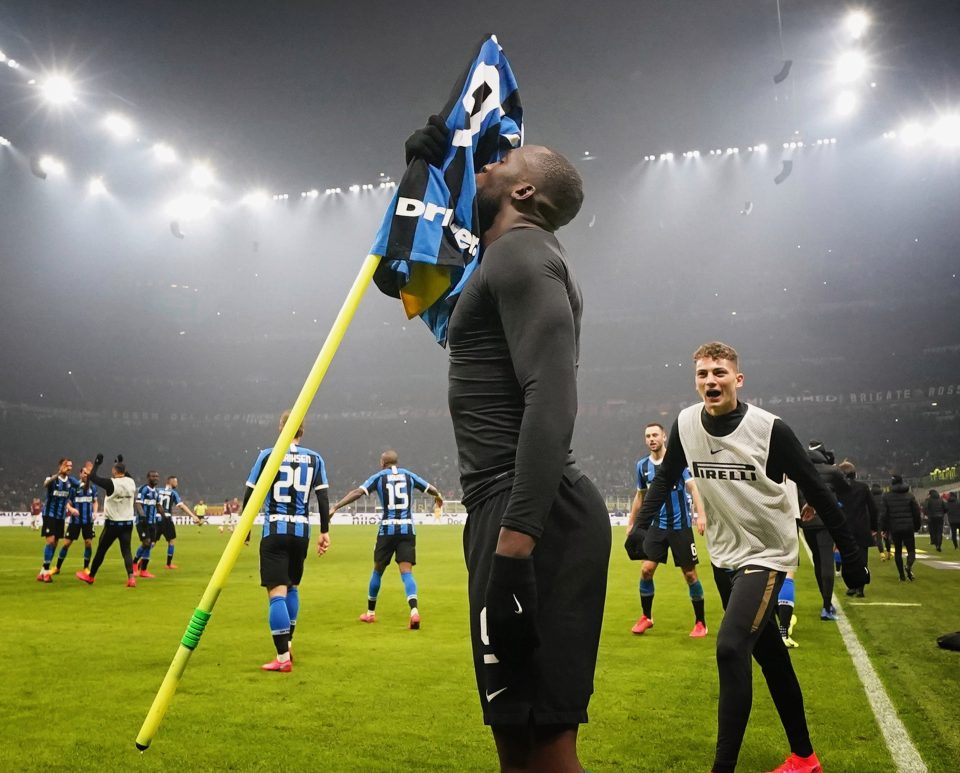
column 634, row 544
column 511, row 604
column 98, row 460
column 119, row 459
column 854, row 571
column 428, row 143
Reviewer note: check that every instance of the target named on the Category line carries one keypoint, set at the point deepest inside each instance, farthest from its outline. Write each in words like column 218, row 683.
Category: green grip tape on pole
column 191, row 637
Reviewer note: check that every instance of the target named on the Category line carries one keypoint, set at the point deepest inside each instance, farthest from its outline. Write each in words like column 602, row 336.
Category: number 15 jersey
column 395, row 486
column 287, row 505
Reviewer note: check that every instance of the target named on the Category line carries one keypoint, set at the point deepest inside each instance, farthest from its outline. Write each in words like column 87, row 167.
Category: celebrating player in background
column 397, row 536
column 149, row 512
column 59, row 486
column 118, row 503
column 169, row 499
column 538, row 531
column 286, row 536
column 671, row 528
column 83, row 510
column 739, row 455
column 36, row 511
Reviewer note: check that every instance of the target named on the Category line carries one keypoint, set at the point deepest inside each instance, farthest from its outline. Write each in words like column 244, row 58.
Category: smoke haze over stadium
column 839, row 285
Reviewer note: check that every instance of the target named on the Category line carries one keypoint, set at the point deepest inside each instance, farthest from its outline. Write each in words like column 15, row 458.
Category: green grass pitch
column 81, row 666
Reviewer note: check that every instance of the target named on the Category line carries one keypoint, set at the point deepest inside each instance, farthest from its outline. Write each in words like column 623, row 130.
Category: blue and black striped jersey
column 83, row 498
column 169, row 498
column 148, row 497
column 287, row 506
column 394, row 486
column 674, row 514
column 58, row 493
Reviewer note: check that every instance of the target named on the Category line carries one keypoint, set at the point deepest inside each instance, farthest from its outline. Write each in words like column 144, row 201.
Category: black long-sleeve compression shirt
column 787, row 457
column 514, row 337
column 105, row 483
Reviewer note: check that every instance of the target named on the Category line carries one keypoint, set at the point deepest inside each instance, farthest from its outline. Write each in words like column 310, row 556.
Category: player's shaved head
column 559, row 185
column 283, row 421
column 389, row 458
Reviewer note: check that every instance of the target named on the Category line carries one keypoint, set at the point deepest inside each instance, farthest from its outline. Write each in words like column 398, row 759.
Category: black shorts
column 52, row 527
column 165, row 528
column 404, row 546
column 281, row 559
column 75, row 529
column 570, row 561
column 144, row 530
column 680, row 542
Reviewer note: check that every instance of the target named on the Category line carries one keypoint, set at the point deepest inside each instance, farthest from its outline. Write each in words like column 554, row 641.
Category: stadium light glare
column 3, row 57
column 13, row 64
column 256, row 199
column 164, row 153
column 912, row 134
column 355, row 188
column 189, row 206
column 201, row 175
column 846, row 103
column 761, row 148
column 947, row 131
column 51, row 165
column 4, row 142
column 850, row 66
column 96, row 186
column 856, row 23
column 57, row 90
column 119, row 126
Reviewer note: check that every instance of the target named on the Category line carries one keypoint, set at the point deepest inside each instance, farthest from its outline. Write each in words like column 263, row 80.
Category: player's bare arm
column 349, row 498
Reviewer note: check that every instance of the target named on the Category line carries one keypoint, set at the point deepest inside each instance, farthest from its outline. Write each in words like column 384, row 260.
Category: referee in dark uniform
column 537, row 538
column 740, row 456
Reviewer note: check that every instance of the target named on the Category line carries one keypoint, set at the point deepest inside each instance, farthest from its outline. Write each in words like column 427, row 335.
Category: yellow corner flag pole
column 201, row 615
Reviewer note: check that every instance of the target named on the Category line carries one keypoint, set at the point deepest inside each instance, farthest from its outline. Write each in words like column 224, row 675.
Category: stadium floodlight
column 856, row 23
column 4, row 142
column 3, row 57
column 912, row 134
column 850, row 66
column 947, row 131
column 189, row 206
column 57, row 90
column 846, row 103
column 761, row 148
column 313, row 193
column 256, row 199
column 13, row 64
column 96, row 186
column 51, row 165
column 119, row 126
column 201, row 175
column 164, row 153
column 355, row 188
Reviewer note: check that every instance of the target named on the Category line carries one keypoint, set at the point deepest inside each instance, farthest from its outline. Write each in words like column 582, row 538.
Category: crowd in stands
column 212, row 453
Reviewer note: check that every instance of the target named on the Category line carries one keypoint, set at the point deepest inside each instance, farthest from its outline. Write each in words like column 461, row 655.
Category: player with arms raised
column 286, row 536
column 397, row 536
